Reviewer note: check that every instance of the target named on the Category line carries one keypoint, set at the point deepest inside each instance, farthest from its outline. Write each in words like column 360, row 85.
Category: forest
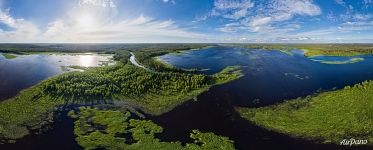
column 114, row 129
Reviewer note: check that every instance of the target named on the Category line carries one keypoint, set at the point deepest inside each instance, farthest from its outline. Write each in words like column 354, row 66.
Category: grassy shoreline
column 328, row 117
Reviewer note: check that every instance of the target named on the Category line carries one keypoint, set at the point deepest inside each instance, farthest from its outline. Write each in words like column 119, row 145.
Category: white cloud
column 169, row 1
column 96, row 21
column 261, row 21
column 286, row 9
column 340, row 2
column 264, row 15
column 102, row 3
column 362, row 16
column 19, row 29
column 232, row 9
column 368, row 1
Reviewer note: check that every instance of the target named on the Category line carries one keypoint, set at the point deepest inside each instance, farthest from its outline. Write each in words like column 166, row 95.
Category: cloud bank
column 92, row 21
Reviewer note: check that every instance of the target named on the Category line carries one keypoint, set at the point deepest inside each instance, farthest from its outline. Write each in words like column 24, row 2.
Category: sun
column 86, row 21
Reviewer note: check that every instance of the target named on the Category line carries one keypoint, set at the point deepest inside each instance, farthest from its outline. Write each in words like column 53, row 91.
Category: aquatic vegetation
column 9, row 56
column 78, row 67
column 301, row 77
column 328, row 117
column 350, row 61
column 227, row 74
column 112, row 129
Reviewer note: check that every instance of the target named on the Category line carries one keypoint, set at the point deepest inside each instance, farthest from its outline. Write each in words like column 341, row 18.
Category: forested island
column 151, row 92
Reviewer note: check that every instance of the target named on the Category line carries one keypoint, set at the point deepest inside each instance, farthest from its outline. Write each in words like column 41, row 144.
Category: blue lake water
column 27, row 70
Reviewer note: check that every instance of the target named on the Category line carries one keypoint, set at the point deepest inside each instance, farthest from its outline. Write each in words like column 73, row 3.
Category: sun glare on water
column 86, row 60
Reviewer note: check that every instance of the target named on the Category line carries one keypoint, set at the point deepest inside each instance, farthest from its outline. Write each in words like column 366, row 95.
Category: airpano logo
column 353, row 141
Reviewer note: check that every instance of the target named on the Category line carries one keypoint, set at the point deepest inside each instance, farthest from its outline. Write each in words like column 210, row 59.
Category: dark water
column 270, row 77
column 27, row 70
column 59, row 137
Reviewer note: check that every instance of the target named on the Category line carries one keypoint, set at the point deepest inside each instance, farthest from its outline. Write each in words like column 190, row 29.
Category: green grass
column 111, row 129
column 328, row 117
column 9, row 56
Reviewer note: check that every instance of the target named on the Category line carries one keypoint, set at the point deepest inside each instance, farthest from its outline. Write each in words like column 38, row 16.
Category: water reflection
column 86, row 60
column 27, row 70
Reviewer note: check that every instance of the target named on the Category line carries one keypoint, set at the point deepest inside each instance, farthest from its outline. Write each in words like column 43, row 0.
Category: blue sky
column 228, row 21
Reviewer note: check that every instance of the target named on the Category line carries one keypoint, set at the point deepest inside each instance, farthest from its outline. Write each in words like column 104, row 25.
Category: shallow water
column 27, row 70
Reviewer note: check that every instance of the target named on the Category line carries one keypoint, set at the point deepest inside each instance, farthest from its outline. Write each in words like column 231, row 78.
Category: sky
column 186, row 21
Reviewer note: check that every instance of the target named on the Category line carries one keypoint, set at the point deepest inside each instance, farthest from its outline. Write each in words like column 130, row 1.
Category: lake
column 270, row 77
column 27, row 70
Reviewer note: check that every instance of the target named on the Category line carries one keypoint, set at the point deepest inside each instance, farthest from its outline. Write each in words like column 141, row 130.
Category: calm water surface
column 27, row 70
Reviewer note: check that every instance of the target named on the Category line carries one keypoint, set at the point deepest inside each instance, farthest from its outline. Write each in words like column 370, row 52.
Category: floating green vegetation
column 287, row 52
column 111, row 129
column 79, row 67
column 328, row 117
column 228, row 74
column 152, row 92
column 350, row 61
column 9, row 56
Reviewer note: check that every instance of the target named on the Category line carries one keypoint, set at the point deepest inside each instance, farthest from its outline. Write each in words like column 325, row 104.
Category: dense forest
column 327, row 117
column 152, row 92
column 113, row 129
